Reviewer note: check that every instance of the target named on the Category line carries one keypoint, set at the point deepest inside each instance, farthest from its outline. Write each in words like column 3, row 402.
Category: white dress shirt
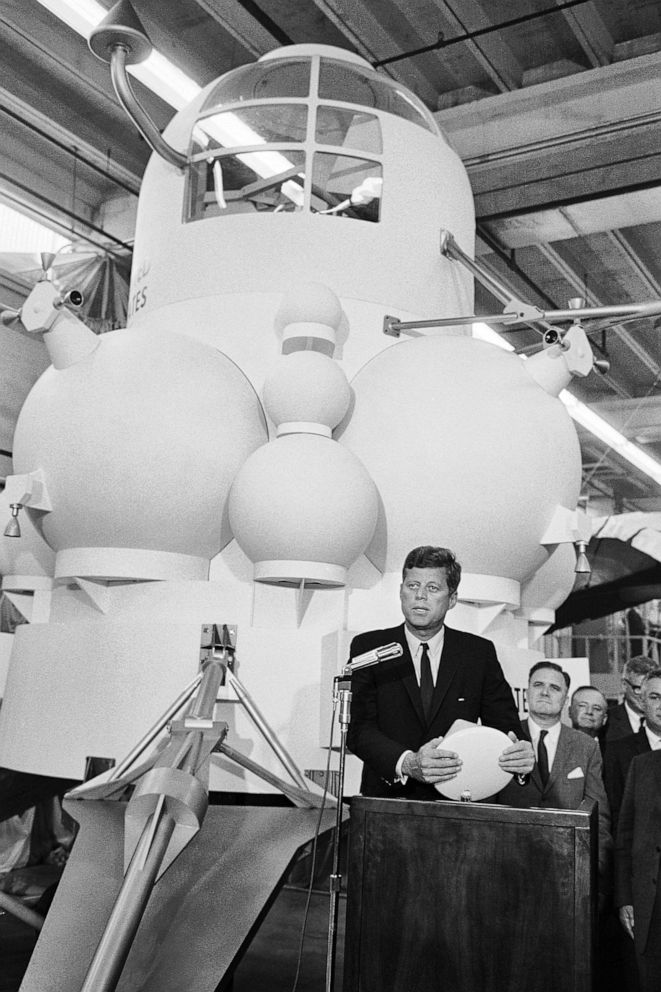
column 435, row 645
column 551, row 739
column 655, row 742
column 634, row 718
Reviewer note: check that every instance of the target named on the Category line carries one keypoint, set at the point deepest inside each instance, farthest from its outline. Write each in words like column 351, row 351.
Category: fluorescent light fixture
column 163, row 78
column 592, row 422
column 81, row 15
column 587, row 418
column 21, row 234
column 485, row 333
column 157, row 73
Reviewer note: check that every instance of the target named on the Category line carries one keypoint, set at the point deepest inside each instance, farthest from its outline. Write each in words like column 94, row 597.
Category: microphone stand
column 342, row 695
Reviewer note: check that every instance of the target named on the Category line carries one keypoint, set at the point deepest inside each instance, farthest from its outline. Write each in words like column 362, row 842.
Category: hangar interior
column 554, row 109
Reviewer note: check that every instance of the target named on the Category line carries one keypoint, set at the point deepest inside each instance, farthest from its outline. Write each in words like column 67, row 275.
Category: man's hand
column 626, row 919
column 432, row 764
column 518, row 758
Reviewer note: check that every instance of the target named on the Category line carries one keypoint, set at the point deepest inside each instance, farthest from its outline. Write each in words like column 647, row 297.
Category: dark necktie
column 543, row 758
column 426, row 681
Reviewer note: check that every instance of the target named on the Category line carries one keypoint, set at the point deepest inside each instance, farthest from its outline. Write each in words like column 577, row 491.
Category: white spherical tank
column 466, row 450
column 306, row 386
column 549, row 587
column 303, row 506
column 138, row 444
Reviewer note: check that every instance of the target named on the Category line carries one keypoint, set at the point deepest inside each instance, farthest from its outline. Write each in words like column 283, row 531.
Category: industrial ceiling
column 554, row 107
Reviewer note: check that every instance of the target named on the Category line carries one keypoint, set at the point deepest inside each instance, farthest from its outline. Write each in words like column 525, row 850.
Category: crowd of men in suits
column 630, row 737
column 403, row 708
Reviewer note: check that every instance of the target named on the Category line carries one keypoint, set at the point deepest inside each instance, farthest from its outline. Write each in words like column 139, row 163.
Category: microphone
column 374, row 656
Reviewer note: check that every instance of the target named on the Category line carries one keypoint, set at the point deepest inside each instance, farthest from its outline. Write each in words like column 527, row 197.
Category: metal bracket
column 218, row 641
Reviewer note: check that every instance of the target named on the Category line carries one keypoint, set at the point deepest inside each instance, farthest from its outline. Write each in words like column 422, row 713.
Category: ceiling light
column 485, row 333
column 587, row 418
column 592, row 422
column 157, row 73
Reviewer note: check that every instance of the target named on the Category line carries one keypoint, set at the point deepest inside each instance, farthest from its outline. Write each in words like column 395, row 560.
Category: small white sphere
column 306, row 505
column 306, row 386
column 311, row 302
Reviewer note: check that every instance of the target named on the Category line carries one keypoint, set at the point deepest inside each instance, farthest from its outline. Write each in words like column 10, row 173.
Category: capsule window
column 344, row 186
column 268, row 80
column 339, row 81
column 353, row 129
column 247, row 182
column 261, row 124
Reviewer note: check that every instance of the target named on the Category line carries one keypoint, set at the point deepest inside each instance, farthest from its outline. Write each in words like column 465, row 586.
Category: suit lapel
column 657, row 768
column 409, row 680
column 560, row 759
column 451, row 658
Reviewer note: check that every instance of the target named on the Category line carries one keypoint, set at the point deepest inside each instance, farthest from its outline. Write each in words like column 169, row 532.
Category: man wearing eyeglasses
column 625, row 719
column 620, row 753
column 638, row 845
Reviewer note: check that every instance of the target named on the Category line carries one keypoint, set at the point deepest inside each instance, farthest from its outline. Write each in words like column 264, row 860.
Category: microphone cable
column 310, row 887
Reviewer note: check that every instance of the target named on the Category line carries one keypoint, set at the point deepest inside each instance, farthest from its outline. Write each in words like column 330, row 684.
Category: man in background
column 588, row 712
column 569, row 766
column 637, row 875
column 620, row 753
column 624, row 719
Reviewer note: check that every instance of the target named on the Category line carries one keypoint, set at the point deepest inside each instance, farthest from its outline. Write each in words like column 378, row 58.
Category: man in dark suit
column 624, row 719
column 569, row 768
column 620, row 753
column 637, row 862
column 588, row 712
column 402, row 708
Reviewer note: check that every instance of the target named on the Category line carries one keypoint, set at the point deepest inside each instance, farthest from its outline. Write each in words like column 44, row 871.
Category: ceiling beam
column 577, row 283
column 368, row 35
column 491, row 53
column 568, row 140
column 591, row 33
column 234, row 18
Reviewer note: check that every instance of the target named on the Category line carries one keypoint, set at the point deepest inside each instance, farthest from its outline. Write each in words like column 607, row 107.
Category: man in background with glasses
column 637, row 874
column 625, row 719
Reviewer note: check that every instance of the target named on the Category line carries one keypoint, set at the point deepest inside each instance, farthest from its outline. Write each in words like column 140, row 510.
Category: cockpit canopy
column 294, row 134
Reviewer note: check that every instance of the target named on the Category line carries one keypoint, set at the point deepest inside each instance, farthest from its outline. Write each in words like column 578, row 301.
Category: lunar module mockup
column 235, row 478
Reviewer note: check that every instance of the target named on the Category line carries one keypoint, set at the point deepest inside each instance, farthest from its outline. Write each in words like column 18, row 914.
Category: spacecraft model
column 252, row 453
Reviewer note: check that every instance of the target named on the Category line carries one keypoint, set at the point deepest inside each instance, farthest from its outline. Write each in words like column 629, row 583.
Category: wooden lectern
column 469, row 897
